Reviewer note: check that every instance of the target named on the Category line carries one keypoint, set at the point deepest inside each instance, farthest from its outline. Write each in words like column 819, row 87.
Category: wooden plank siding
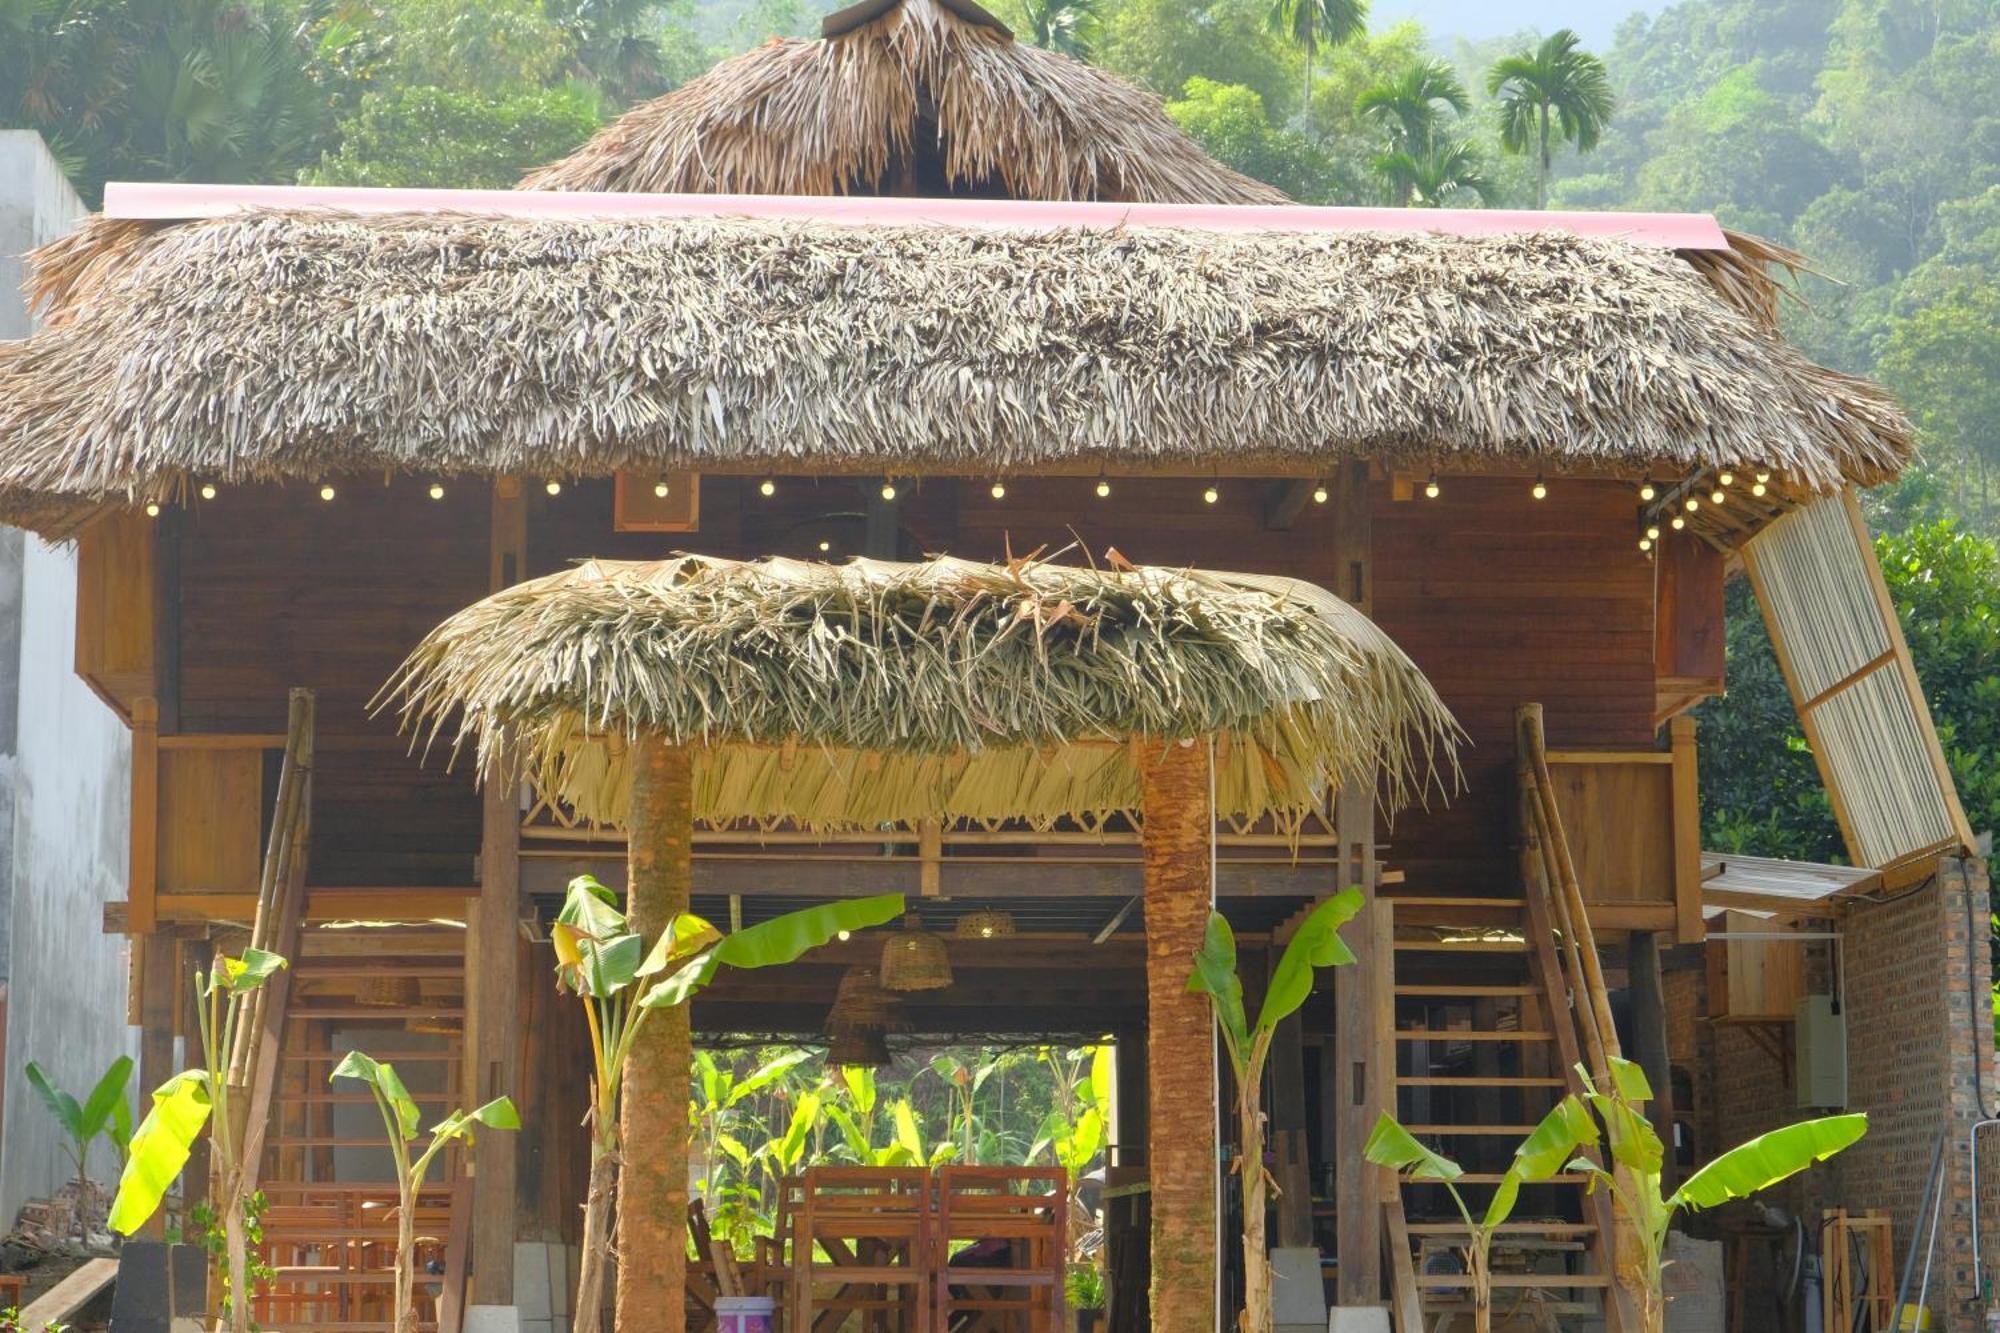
column 1499, row 598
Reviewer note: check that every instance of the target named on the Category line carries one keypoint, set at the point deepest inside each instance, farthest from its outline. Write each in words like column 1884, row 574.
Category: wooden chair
column 1019, row 1217
column 861, row 1244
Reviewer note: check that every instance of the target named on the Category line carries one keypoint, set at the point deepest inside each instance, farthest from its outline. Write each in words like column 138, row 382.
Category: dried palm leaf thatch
column 846, row 696
column 287, row 346
column 841, row 114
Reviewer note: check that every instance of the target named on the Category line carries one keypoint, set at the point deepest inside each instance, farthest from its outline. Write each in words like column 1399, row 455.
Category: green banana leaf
column 100, row 1109
column 1316, row 944
column 383, row 1078
column 1215, row 976
column 496, row 1114
column 773, row 943
column 1390, row 1145
column 1542, row 1154
column 247, row 972
column 685, row 936
column 61, row 1105
column 1768, row 1159
column 160, row 1149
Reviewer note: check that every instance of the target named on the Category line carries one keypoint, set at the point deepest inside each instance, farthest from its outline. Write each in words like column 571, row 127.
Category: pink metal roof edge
column 178, row 201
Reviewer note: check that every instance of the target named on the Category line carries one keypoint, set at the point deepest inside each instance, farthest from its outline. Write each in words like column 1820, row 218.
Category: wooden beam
column 159, row 997
column 143, row 866
column 1688, row 927
column 1287, row 1063
column 492, row 966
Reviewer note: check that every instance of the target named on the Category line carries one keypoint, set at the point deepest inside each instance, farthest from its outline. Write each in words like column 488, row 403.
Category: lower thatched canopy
column 271, row 346
column 850, row 695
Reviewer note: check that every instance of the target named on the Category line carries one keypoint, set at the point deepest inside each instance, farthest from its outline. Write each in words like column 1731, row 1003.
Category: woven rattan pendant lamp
column 988, row 923
column 915, row 959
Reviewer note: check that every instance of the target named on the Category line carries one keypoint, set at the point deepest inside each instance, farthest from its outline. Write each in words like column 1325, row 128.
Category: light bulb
column 1541, row 490
column 767, row 488
column 208, row 490
column 986, row 932
column 998, row 490
column 1679, row 523
column 1645, row 543
column 326, row 491
column 1759, row 488
column 825, row 545
column 1211, row 495
column 552, row 486
column 888, row 490
column 1763, row 476
column 1103, row 488
column 1717, row 496
column 1726, row 477
column 1431, row 488
column 661, row 489
column 1319, row 494
column 152, row 509
column 845, row 935
column 1647, row 490
column 437, row 490
column 1653, row 531
column 1691, row 504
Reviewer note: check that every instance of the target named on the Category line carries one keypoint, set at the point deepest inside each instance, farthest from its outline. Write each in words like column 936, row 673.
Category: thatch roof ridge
column 840, row 695
column 271, row 346
column 831, row 116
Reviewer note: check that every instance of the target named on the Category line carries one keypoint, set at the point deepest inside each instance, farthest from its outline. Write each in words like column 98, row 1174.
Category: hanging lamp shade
column 861, row 1005
column 869, row 1050
column 915, row 959
column 985, row 924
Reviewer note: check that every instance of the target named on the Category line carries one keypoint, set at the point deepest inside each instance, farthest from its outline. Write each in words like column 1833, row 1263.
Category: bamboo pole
column 653, row 1181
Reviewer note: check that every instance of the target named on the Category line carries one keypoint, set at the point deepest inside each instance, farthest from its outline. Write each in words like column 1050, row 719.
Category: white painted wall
column 65, row 784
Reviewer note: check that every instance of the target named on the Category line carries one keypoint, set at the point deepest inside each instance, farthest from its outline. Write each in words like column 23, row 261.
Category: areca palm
column 1411, row 106
column 1556, row 90
column 1311, row 24
column 1437, row 175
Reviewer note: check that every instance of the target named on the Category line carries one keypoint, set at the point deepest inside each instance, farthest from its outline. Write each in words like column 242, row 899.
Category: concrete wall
column 65, row 781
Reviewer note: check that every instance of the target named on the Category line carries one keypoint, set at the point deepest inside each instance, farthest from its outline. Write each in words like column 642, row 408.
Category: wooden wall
column 1499, row 598
column 276, row 589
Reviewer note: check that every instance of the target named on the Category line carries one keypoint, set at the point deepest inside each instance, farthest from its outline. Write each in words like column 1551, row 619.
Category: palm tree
column 1439, row 174
column 1412, row 104
column 1557, row 86
column 1068, row 26
column 1311, row 24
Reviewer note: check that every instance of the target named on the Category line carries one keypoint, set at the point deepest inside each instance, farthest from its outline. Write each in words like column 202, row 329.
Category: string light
column 552, row 486
column 208, row 490
column 825, row 545
column 1211, row 495
column 1762, row 479
column 152, row 509
column 1431, row 487
column 1319, row 493
column 1645, row 543
column 437, row 490
column 661, row 489
column 1647, row 490
column 1679, row 523
column 888, row 488
column 998, row 490
column 843, row 935
column 1652, row 532
column 1691, row 504
column 1103, row 487
column 1717, row 496
column 1726, row 477
column 767, row 488
column 326, row 491
column 1541, row 490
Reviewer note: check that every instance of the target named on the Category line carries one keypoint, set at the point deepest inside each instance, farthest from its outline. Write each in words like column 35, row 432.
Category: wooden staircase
column 1496, row 1001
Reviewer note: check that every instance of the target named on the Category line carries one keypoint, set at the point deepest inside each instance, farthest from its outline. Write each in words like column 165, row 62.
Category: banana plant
column 1316, row 944
column 187, row 1102
column 400, row 1118
column 910, row 1147
column 716, row 1107
column 1539, row 1156
column 104, row 1113
column 1737, row 1174
column 963, row 1081
column 621, row 982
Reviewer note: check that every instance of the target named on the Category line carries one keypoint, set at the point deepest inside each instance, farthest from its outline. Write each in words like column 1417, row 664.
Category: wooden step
column 1466, row 992
column 1469, row 1131
column 1475, row 1081
column 1516, row 1281
column 1504, row 1229
column 1494, row 1178
column 416, row 1009
column 1469, row 1034
column 1402, row 900
column 400, row 1058
column 351, row 1098
column 1461, row 946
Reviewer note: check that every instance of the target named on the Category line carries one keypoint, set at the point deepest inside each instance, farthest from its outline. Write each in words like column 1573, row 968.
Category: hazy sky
column 1594, row 20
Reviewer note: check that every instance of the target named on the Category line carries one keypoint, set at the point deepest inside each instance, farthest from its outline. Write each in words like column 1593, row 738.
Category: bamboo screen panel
column 1849, row 670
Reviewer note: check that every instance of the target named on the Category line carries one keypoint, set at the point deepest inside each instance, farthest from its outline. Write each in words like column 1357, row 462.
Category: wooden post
column 1362, row 1004
column 1287, row 1063
column 492, row 968
column 653, row 1120
column 1649, row 1037
column 1686, row 815
column 1180, row 1041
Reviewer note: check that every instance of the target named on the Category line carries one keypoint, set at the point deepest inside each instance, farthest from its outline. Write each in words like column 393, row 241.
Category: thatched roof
column 848, row 695
column 267, row 346
column 905, row 88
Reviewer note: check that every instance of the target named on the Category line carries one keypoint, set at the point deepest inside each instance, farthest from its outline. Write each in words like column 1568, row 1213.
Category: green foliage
column 1083, row 1287
column 204, row 1228
column 104, row 1112
column 1558, row 93
column 1228, row 120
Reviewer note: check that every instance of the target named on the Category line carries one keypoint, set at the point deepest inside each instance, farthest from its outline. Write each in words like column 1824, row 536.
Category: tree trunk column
column 1180, row 1051
column 653, row 1187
